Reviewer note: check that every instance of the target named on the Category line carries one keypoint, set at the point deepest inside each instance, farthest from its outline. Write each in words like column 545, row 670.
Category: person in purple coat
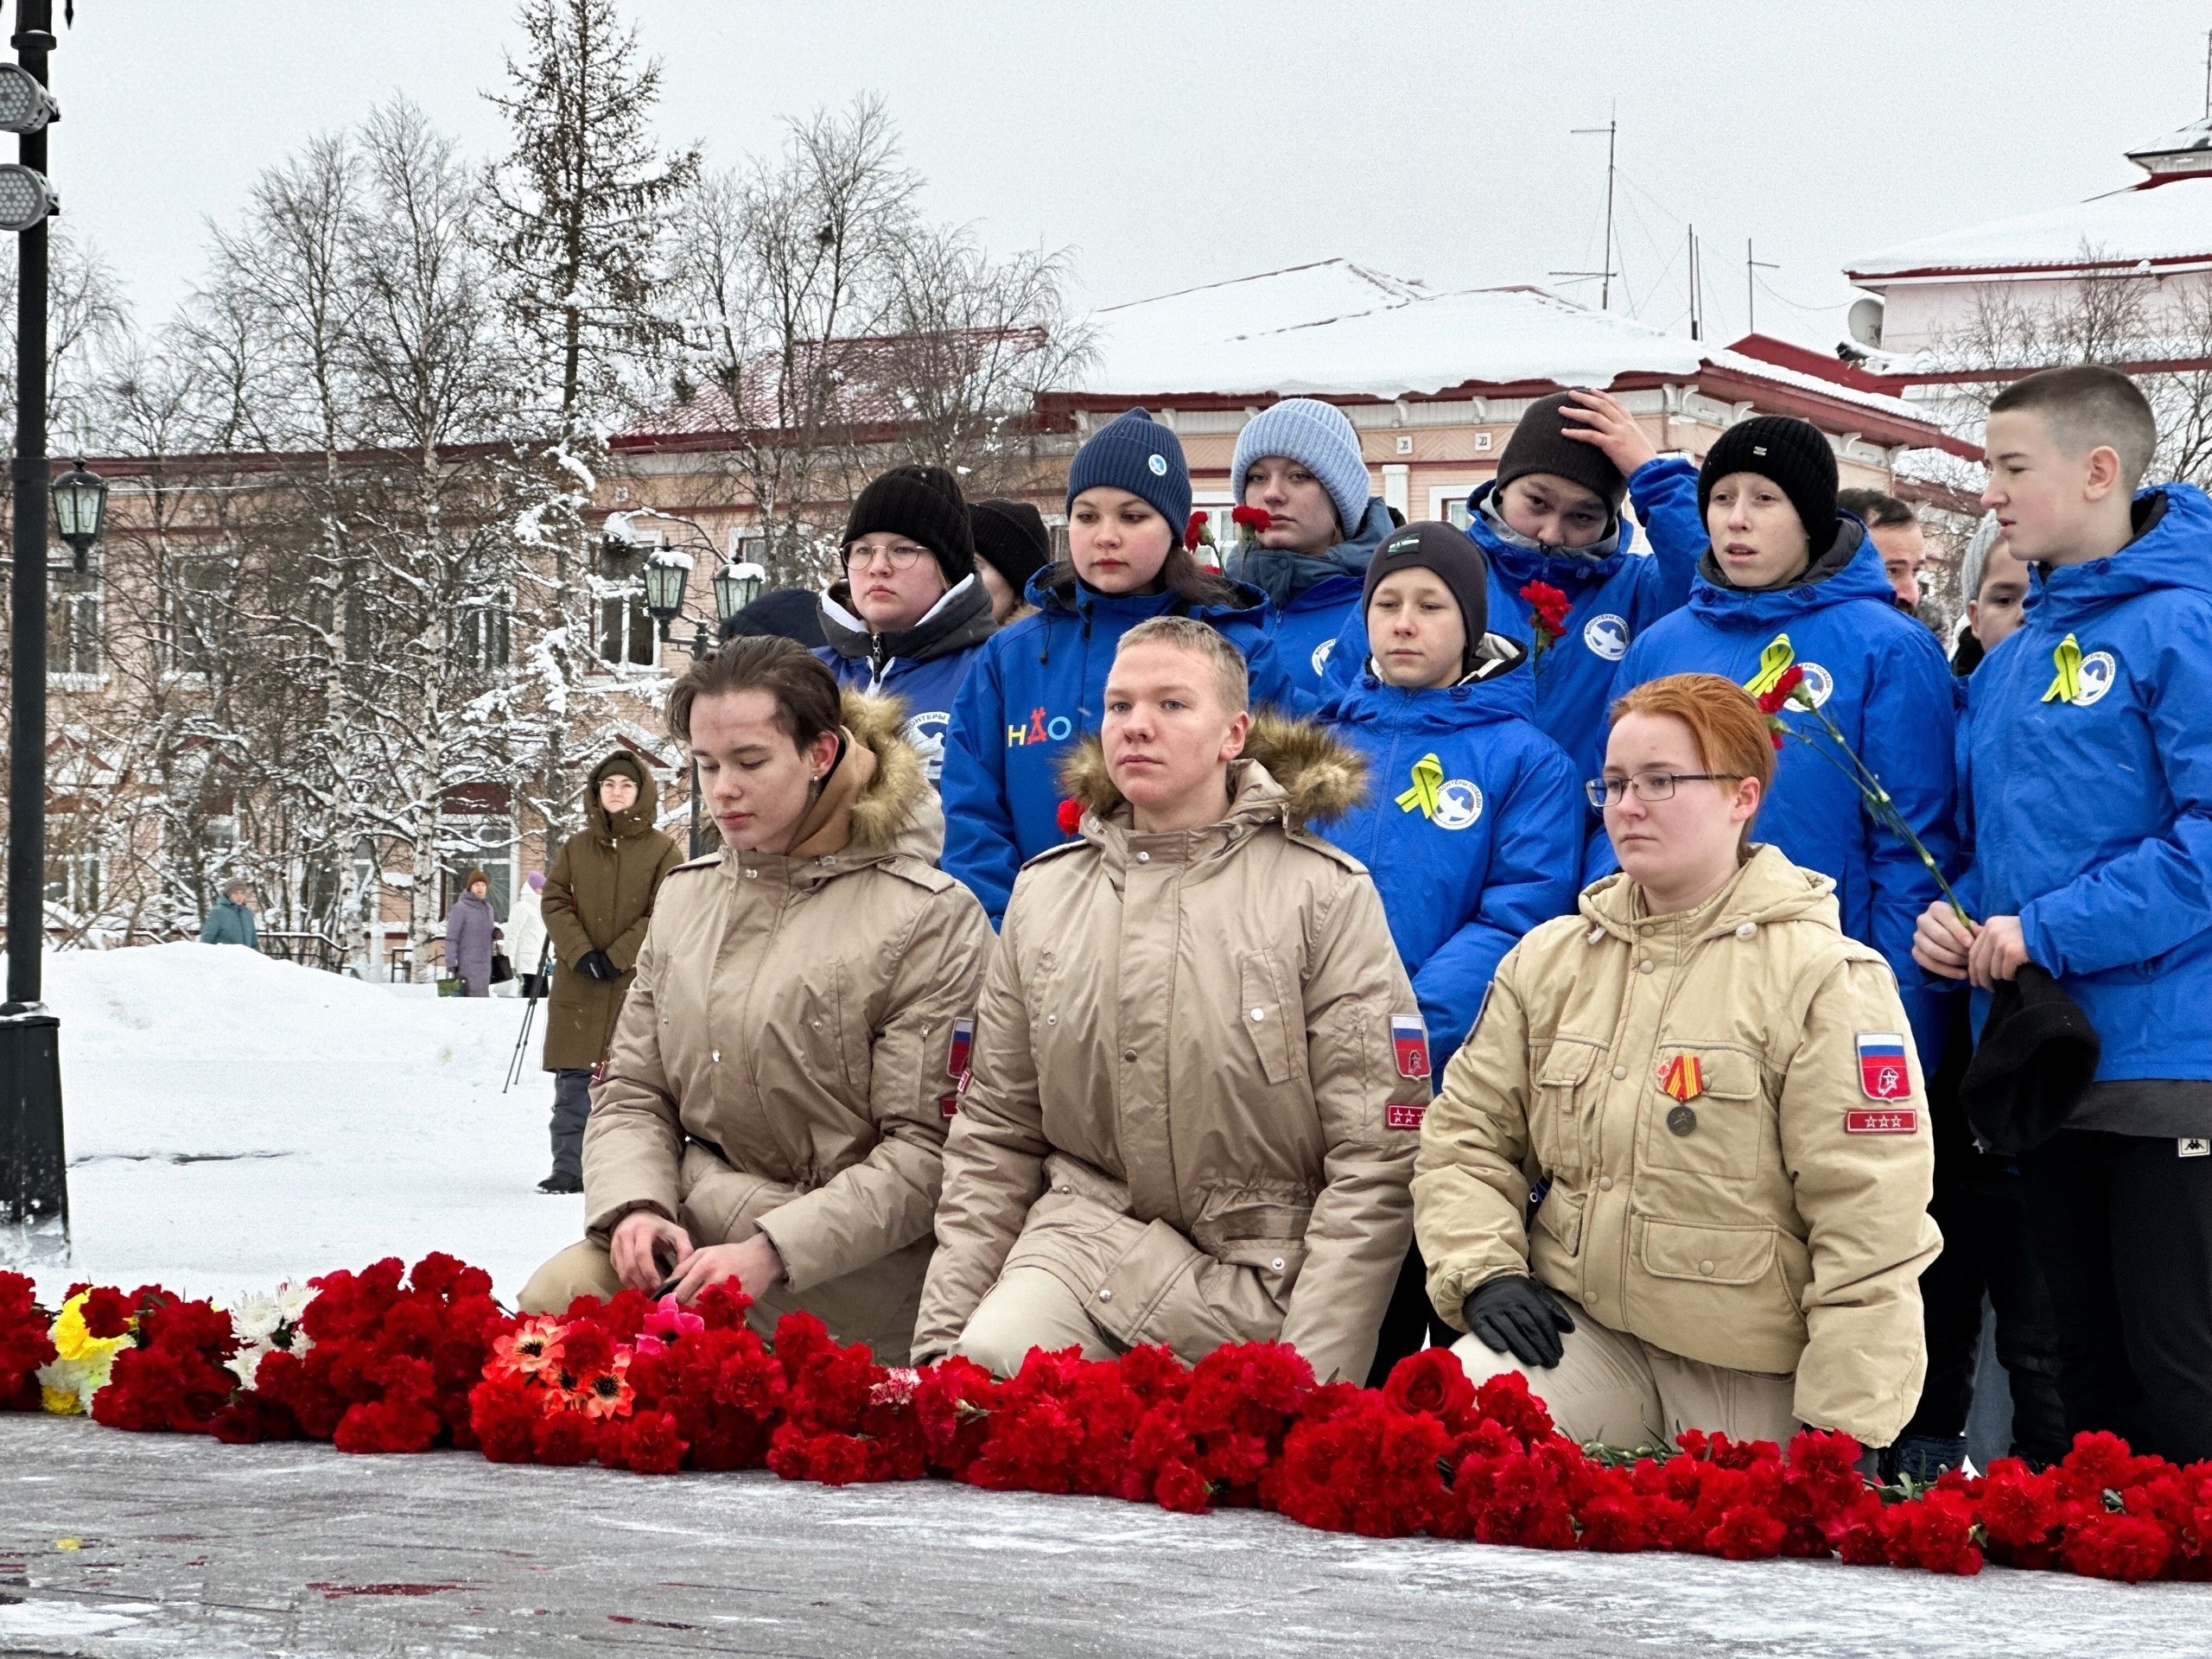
column 471, row 930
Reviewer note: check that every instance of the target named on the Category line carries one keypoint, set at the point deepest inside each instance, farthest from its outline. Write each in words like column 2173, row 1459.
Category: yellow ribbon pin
column 1774, row 663
column 1428, row 778
column 2066, row 684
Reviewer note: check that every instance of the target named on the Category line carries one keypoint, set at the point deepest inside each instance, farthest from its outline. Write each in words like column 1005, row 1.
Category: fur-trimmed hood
column 877, row 799
column 1300, row 768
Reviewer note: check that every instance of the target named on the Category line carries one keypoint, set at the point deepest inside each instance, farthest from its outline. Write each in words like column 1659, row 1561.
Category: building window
column 626, row 629
column 73, row 626
column 498, row 863
column 366, row 876
column 72, row 882
column 1456, row 513
column 198, row 591
column 486, row 638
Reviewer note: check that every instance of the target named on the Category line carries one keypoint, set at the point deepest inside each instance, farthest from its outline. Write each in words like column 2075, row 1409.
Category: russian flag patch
column 1882, row 1073
column 963, row 1040
column 1409, row 1038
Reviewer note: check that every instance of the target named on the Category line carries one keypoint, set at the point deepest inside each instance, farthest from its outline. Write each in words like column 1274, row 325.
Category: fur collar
column 1319, row 777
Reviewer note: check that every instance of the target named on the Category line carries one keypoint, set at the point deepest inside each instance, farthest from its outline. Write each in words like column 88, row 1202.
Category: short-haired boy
column 2088, row 799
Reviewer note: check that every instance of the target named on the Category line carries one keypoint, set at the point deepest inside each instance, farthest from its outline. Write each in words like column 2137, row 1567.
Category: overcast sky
column 1171, row 144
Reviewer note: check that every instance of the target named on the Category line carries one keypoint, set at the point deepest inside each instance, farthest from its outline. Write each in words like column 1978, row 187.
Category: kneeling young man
column 1199, row 1070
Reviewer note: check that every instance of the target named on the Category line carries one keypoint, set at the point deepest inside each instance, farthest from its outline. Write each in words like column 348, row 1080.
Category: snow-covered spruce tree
column 580, row 211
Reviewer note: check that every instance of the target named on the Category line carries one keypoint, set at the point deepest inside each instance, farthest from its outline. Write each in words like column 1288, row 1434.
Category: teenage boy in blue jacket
column 1472, row 824
column 1787, row 580
column 2088, row 800
column 1035, row 689
column 911, row 613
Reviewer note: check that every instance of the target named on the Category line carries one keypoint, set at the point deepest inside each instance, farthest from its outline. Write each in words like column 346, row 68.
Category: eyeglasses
column 901, row 558
column 1650, row 785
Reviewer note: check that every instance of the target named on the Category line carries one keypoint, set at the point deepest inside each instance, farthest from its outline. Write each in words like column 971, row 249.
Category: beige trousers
column 1620, row 1390
column 1030, row 1307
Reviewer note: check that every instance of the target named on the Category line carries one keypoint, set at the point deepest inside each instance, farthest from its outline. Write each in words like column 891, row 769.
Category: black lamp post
column 34, row 1167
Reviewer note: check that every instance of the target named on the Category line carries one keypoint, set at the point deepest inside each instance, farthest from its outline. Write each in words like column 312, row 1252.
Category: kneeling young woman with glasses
column 1714, row 1095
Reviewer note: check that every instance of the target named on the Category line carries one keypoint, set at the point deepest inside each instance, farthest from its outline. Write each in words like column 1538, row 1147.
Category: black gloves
column 1518, row 1316
column 596, row 964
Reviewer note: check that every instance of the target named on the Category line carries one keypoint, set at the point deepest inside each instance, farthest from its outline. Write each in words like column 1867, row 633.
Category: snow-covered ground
column 234, row 1120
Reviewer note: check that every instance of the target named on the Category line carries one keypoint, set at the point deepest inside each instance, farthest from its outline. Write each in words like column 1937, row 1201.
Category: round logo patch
column 1321, row 654
column 1606, row 636
column 1459, row 804
column 2098, row 671
column 1820, row 684
column 1158, row 465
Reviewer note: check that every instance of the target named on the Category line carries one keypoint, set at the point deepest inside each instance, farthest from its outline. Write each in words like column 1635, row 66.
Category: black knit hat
column 2037, row 1052
column 1453, row 557
column 924, row 502
column 1012, row 536
column 1792, row 453
column 1540, row 444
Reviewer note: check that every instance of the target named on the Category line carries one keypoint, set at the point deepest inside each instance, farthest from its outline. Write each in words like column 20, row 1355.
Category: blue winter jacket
column 1611, row 601
column 922, row 666
column 1305, row 626
column 230, row 923
column 2091, row 819
column 1035, row 689
column 1887, row 688
column 1500, row 853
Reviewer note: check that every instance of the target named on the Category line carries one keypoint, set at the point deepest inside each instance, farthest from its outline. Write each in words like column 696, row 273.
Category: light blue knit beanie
column 1318, row 437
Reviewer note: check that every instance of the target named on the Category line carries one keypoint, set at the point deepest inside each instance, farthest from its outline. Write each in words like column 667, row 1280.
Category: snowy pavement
column 144, row 1544
column 234, row 1120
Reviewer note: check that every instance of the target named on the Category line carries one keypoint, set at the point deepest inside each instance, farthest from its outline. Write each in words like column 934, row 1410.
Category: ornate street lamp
column 736, row 586
column 666, row 573
column 80, row 509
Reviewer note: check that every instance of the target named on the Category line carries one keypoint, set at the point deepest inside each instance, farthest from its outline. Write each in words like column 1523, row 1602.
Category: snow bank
column 233, row 1120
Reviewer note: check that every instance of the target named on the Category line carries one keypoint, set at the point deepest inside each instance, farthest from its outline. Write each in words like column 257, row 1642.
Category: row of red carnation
column 406, row 1362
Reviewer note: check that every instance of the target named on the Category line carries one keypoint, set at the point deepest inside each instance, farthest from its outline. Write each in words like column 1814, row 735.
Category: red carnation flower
column 1772, row 701
column 1255, row 519
column 1197, row 530
column 1070, row 816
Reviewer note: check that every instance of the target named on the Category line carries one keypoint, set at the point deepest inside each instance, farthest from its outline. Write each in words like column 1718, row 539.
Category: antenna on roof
column 2207, row 75
column 1751, row 268
column 1697, row 290
column 1612, row 130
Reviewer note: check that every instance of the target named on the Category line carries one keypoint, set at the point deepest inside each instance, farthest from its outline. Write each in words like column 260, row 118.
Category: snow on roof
column 2196, row 135
column 1336, row 327
column 2165, row 224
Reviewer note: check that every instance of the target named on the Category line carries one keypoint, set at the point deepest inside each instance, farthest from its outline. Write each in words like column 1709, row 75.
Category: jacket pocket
column 1555, row 1113
column 1261, row 1011
column 1264, row 1230
column 1719, row 1131
column 1561, row 1215
column 1712, row 1255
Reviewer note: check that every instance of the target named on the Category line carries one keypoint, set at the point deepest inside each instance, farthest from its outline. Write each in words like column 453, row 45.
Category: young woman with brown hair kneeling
column 1200, row 1068
column 775, row 1105
column 1720, row 1091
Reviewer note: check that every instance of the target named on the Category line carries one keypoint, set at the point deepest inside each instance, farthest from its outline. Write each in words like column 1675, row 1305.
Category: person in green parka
column 598, row 897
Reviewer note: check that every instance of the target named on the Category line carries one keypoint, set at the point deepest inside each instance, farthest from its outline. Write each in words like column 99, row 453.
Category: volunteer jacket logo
column 1039, row 728
column 1606, row 636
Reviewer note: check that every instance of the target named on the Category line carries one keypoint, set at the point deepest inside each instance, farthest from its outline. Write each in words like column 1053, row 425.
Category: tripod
column 534, row 989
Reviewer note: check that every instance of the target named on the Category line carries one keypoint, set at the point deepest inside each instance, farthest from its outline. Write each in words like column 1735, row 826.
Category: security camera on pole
column 33, row 1181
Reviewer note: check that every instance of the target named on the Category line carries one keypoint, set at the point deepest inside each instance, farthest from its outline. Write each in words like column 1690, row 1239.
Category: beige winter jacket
column 1770, row 1213
column 782, row 1059
column 1194, row 1030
